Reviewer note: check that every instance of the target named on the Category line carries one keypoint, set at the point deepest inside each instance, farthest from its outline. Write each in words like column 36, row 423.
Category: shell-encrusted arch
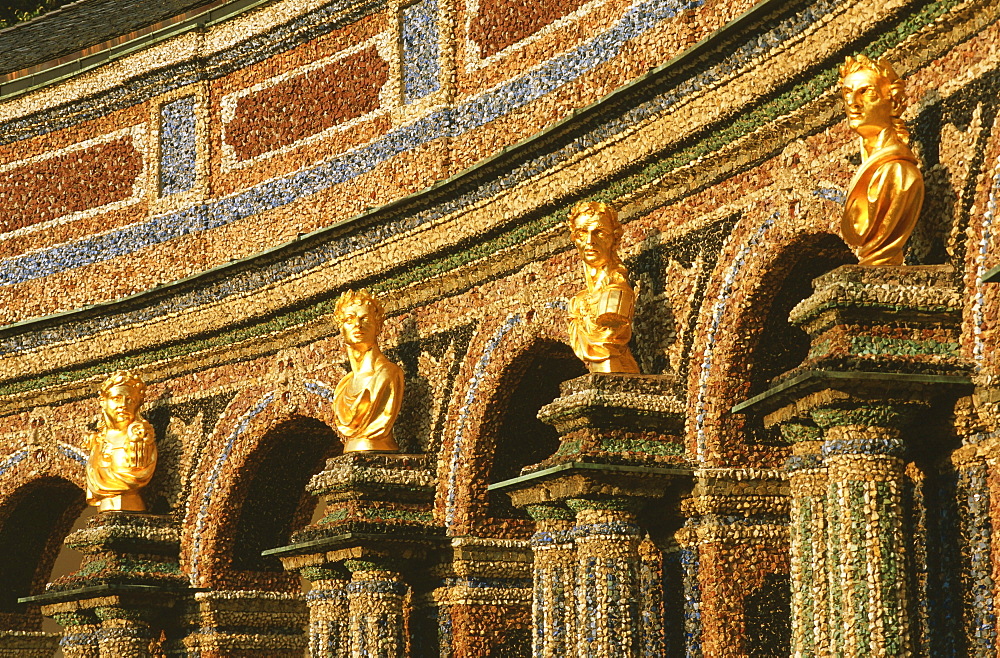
column 765, row 245
column 228, row 454
column 48, row 479
column 499, row 344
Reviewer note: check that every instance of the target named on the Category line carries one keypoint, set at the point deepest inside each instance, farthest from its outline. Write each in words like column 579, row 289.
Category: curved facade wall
column 191, row 211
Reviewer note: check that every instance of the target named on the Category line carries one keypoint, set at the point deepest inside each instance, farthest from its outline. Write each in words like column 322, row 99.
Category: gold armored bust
column 600, row 323
column 367, row 399
column 122, row 452
column 885, row 196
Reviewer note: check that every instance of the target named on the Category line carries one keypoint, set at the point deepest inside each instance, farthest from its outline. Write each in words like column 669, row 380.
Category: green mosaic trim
column 645, row 446
column 798, row 432
column 820, row 348
column 835, row 593
column 131, row 565
column 398, row 515
column 873, row 415
column 902, row 346
column 571, row 447
column 792, row 100
column 313, row 574
column 807, row 579
column 893, row 615
column 68, row 619
column 334, row 516
column 127, row 614
column 611, row 504
column 381, row 564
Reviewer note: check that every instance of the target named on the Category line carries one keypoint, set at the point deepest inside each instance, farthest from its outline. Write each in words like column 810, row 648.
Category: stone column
column 124, row 632
column 378, row 526
column 329, row 635
column 620, row 448
column 607, row 585
column 867, row 556
column 808, row 542
column 376, row 598
column 553, row 604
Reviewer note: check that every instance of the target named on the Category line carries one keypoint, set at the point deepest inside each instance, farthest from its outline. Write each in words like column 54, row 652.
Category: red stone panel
column 307, row 104
column 71, row 182
column 502, row 23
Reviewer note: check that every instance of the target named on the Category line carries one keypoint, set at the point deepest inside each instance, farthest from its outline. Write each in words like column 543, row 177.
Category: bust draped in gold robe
column 366, row 405
column 883, row 203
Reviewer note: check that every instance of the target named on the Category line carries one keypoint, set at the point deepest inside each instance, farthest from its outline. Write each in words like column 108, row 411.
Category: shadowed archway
column 530, row 382
column 33, row 523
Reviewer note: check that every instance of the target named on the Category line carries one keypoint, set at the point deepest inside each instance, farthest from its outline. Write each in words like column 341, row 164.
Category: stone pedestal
column 884, row 346
column 620, row 448
column 115, row 604
column 378, row 526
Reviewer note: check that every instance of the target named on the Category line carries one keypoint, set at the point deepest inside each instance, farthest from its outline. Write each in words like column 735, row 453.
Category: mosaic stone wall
column 192, row 211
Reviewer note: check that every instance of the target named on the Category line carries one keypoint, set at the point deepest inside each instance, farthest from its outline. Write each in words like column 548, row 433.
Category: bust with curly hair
column 887, row 192
column 122, row 452
column 601, row 314
column 367, row 399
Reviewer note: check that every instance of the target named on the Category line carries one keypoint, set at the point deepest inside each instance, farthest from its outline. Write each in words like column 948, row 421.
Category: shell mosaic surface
column 806, row 466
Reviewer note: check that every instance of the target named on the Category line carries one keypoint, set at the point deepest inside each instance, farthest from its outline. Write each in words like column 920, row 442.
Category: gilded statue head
column 121, row 395
column 595, row 230
column 874, row 97
column 360, row 316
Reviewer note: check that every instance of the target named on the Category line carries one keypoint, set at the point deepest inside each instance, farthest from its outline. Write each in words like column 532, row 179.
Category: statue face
column 120, row 404
column 594, row 237
column 359, row 326
column 869, row 108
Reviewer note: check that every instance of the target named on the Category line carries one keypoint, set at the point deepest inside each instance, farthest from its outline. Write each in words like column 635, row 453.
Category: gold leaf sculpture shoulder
column 887, row 192
column 600, row 324
column 122, row 452
column 367, row 399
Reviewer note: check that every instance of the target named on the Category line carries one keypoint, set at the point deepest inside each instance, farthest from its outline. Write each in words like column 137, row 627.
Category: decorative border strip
column 718, row 311
column 206, row 499
column 979, row 299
column 463, row 413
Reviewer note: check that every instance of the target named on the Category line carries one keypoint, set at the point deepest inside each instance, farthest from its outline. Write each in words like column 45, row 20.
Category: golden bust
column 885, row 196
column 367, row 399
column 123, row 449
column 600, row 323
